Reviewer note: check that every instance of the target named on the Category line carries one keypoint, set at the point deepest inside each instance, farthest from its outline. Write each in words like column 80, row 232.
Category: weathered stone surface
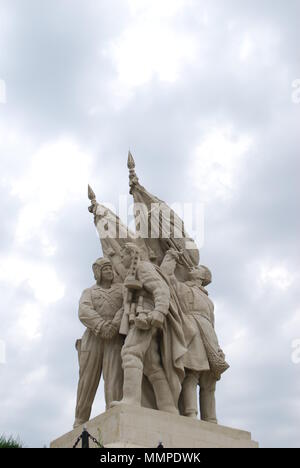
column 128, row 426
column 150, row 334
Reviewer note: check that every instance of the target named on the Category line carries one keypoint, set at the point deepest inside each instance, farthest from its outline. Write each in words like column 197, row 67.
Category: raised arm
column 169, row 263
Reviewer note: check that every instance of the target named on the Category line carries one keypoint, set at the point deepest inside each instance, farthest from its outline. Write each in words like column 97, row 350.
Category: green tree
column 10, row 442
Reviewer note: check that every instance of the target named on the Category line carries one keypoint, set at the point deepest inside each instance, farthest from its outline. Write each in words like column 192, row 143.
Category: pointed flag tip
column 130, row 161
column 91, row 193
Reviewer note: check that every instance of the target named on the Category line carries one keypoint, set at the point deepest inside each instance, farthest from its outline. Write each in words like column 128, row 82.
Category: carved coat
column 157, row 295
column 97, row 354
column 204, row 352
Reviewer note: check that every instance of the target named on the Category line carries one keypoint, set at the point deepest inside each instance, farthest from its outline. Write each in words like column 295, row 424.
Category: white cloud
column 2, row 92
column 296, row 92
column 57, row 174
column 254, row 43
column 36, row 376
column 247, row 47
column 277, row 276
column 29, row 322
column 259, row 45
column 236, row 348
column 291, row 328
column 2, row 352
column 168, row 54
column 154, row 8
column 25, row 391
column 151, row 46
column 217, row 162
column 41, row 279
column 16, row 147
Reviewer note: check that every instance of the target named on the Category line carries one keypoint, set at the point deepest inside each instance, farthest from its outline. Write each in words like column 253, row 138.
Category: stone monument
column 150, row 333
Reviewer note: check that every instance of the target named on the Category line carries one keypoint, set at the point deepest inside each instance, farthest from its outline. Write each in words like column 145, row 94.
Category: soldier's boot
column 132, row 387
column 189, row 395
column 163, row 395
column 208, row 405
column 77, row 423
column 82, row 415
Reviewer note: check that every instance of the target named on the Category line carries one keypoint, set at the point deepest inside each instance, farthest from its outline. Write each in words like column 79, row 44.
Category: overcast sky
column 202, row 93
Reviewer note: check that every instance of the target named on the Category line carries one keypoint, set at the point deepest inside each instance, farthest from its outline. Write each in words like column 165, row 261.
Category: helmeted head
column 201, row 273
column 102, row 269
column 130, row 254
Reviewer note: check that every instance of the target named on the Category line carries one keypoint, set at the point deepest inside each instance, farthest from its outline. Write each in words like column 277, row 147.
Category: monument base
column 132, row 427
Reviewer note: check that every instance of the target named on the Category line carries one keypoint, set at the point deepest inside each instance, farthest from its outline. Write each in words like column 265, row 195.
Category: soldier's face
column 126, row 258
column 107, row 273
column 196, row 277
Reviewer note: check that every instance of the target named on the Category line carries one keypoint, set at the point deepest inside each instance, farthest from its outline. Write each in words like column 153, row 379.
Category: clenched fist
column 157, row 319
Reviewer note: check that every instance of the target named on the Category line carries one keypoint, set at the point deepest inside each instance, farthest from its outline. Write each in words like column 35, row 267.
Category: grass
column 9, row 442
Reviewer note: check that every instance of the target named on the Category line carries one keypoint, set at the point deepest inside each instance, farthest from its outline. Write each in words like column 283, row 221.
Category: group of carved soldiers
column 151, row 338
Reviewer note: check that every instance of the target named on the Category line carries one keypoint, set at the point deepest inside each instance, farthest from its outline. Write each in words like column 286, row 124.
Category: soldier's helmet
column 203, row 273
column 99, row 264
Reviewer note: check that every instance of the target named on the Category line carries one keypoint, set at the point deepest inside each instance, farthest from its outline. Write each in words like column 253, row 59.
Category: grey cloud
column 55, row 73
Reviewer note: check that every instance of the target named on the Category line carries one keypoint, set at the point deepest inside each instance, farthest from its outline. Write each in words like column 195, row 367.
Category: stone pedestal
column 132, row 427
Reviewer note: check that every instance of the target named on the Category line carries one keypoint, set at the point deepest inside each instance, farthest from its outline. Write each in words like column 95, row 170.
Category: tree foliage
column 10, row 442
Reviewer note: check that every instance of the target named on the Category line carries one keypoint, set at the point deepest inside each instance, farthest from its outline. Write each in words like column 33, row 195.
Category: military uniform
column 141, row 350
column 97, row 354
